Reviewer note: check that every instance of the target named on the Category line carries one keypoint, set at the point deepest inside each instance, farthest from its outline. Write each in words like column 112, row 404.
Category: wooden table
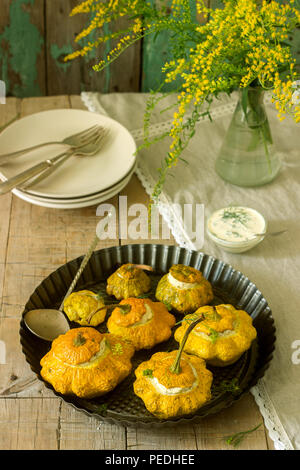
column 34, row 241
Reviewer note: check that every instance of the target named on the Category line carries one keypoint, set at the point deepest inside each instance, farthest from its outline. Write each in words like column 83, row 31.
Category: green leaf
column 237, row 438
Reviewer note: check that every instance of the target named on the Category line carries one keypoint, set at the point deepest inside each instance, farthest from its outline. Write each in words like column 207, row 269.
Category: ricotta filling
column 181, row 285
column 162, row 390
column 148, row 315
column 221, row 334
column 225, row 334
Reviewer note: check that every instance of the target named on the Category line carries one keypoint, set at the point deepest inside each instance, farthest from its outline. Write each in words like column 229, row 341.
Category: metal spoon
column 271, row 234
column 47, row 323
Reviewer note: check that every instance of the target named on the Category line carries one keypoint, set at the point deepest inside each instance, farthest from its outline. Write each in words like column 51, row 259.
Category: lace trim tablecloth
column 275, row 262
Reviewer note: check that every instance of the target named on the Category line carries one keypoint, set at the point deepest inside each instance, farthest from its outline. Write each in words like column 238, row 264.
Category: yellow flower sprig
column 244, row 44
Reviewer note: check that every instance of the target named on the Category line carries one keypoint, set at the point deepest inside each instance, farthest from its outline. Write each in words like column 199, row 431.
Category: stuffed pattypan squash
column 222, row 337
column 86, row 363
column 85, row 307
column 142, row 322
column 173, row 384
column 184, row 289
column 128, row 281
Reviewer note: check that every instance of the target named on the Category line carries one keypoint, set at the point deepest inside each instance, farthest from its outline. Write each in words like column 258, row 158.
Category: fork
column 65, row 156
column 89, row 148
column 72, row 141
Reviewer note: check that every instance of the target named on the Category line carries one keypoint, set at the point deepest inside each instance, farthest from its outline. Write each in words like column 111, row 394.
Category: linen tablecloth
column 273, row 265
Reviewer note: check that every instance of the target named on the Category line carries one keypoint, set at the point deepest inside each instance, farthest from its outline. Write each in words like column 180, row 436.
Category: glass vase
column 247, row 156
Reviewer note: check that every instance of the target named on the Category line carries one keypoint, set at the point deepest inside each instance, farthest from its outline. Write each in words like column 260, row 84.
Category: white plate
column 78, row 176
column 86, row 202
column 67, row 202
column 19, row 192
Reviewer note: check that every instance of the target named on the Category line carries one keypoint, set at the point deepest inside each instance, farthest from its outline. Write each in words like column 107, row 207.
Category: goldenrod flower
column 241, row 44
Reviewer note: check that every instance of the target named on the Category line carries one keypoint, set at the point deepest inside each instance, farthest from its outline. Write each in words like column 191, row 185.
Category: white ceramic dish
column 78, row 176
column 77, row 204
column 236, row 246
column 70, row 201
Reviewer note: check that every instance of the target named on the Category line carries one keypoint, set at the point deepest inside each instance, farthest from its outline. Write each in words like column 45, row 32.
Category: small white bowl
column 238, row 246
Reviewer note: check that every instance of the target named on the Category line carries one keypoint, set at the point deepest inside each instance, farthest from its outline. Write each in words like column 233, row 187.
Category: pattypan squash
column 144, row 323
column 224, row 335
column 86, row 363
column 184, row 289
column 128, row 281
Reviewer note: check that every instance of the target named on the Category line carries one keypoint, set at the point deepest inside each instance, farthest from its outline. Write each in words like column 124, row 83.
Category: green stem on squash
column 124, row 310
column 175, row 367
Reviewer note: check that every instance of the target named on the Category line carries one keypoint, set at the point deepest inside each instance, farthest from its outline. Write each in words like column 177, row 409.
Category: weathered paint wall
column 35, row 35
column 21, row 45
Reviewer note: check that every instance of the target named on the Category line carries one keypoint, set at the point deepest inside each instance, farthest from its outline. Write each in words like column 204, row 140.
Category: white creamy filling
column 102, row 351
column 162, row 390
column 222, row 334
column 225, row 333
column 181, row 285
column 148, row 315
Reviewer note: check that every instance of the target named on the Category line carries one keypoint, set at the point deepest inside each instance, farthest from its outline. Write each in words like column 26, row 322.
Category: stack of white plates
column 79, row 181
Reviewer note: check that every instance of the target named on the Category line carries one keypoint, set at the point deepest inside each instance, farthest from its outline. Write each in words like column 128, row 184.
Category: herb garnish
column 236, row 216
column 229, row 386
column 237, row 438
column 148, row 373
column 117, row 349
column 102, row 408
column 213, row 334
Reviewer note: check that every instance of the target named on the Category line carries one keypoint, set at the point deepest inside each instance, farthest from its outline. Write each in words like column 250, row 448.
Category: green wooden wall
column 35, row 35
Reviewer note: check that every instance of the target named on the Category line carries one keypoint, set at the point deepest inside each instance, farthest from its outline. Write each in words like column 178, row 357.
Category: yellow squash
column 167, row 394
column 85, row 307
column 184, row 289
column 86, row 363
column 144, row 323
column 128, row 281
column 221, row 338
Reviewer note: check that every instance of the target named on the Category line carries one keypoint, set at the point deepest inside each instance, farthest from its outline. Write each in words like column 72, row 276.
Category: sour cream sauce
column 236, row 224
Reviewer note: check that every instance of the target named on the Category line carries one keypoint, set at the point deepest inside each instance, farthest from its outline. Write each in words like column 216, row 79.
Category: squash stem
column 175, row 367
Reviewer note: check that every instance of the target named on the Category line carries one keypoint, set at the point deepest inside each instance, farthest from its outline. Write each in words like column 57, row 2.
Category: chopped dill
column 237, row 438
column 229, row 386
column 237, row 216
column 117, row 349
column 148, row 373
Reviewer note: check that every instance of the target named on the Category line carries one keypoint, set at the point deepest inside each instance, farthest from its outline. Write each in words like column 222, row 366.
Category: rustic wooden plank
column 7, row 113
column 81, row 432
column 78, row 75
column 29, row 424
column 166, row 438
column 22, row 58
column 242, row 416
column 35, row 105
column 209, row 435
column 16, row 377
